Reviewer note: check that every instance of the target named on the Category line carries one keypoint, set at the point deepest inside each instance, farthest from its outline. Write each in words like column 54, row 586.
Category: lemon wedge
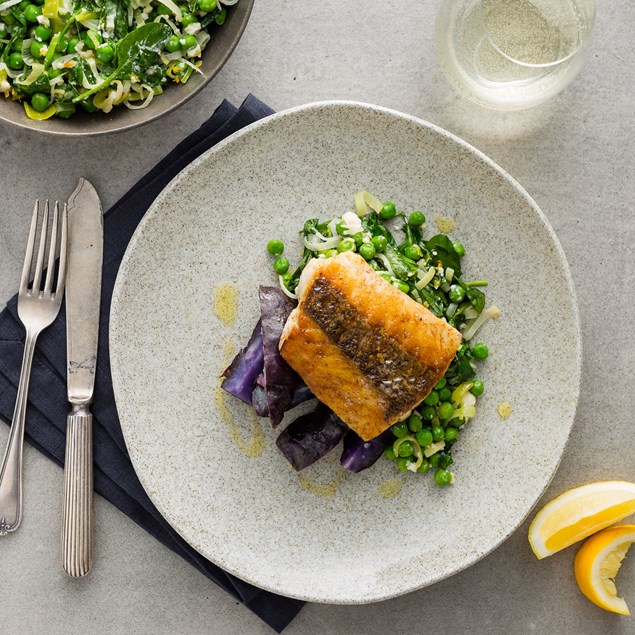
column 579, row 513
column 597, row 563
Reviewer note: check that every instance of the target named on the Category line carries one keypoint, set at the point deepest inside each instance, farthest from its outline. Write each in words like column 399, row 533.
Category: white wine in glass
column 512, row 54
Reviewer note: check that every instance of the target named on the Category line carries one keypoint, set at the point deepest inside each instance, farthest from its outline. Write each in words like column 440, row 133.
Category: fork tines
column 56, row 247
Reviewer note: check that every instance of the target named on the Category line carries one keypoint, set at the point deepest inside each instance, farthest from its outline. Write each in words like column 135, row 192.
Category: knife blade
column 83, row 295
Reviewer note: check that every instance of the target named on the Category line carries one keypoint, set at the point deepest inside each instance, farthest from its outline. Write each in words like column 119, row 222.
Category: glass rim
column 583, row 42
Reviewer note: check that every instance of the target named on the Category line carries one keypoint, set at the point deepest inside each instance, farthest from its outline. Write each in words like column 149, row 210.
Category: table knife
column 83, row 293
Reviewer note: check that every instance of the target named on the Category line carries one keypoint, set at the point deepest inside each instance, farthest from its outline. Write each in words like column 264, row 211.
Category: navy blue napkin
column 114, row 476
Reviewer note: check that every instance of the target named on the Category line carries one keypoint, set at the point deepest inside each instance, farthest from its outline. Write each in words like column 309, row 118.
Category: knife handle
column 77, row 519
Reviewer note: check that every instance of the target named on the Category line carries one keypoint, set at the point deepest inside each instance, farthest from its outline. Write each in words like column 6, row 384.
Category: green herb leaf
column 401, row 266
column 136, row 51
column 444, row 249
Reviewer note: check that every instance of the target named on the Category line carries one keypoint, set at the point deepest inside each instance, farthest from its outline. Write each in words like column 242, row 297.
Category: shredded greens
column 58, row 55
column 430, row 271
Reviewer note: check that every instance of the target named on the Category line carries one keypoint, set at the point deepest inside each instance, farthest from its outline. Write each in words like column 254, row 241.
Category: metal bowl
column 219, row 48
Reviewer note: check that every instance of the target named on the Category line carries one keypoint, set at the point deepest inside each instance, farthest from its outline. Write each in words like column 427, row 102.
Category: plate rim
column 576, row 377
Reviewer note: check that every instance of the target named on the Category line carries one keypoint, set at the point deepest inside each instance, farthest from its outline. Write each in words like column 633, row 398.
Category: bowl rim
column 23, row 121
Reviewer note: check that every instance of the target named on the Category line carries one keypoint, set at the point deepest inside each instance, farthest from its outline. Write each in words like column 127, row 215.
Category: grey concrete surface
column 575, row 155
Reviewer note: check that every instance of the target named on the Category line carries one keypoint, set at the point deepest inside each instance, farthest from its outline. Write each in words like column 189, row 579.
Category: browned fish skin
column 364, row 348
column 396, row 374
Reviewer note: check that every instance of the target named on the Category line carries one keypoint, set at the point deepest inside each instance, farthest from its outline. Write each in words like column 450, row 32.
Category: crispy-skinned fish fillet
column 364, row 348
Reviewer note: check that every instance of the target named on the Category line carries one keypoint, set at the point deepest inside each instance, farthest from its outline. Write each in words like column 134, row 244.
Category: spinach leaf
column 371, row 223
column 40, row 85
column 18, row 34
column 444, row 249
column 414, row 235
column 476, row 298
column 461, row 368
column 434, row 300
column 295, row 278
column 137, row 51
column 310, row 226
column 118, row 9
column 401, row 266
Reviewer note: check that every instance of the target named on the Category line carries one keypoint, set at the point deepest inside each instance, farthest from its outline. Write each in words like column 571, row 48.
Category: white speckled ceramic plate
column 344, row 542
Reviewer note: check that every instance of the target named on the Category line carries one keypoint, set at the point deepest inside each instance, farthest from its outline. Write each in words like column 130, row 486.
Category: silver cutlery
column 37, row 309
column 83, row 294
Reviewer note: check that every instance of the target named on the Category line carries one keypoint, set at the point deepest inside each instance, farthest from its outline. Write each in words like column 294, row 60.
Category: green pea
column 341, row 228
column 388, row 211
column 441, row 383
column 415, row 423
column 380, row 243
column 42, row 32
column 348, row 244
column 451, row 435
column 428, row 412
column 438, row 433
column 40, row 102
column 88, row 105
column 424, row 467
column 367, row 251
column 207, row 5
column 424, row 436
column 402, row 286
column 286, row 278
column 92, row 39
column 54, row 72
column 457, row 422
column 358, row 238
column 477, row 388
column 23, row 5
column 105, row 53
column 458, row 248
column 445, row 394
column 221, row 17
column 480, row 351
column 434, row 459
column 72, row 43
column 413, row 252
column 403, row 463
column 329, row 253
column 432, row 399
column 406, row 449
column 15, row 61
column 188, row 41
column 275, row 247
column 389, row 453
column 173, row 45
column 187, row 19
column 400, row 429
column 61, row 46
column 442, row 477
column 416, row 219
column 17, row 45
column 457, row 294
column 446, row 410
column 31, row 13
column 10, row 20
column 281, row 266
column 38, row 49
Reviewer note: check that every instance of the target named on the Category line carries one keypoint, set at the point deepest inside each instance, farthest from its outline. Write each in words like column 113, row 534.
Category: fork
column 37, row 309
